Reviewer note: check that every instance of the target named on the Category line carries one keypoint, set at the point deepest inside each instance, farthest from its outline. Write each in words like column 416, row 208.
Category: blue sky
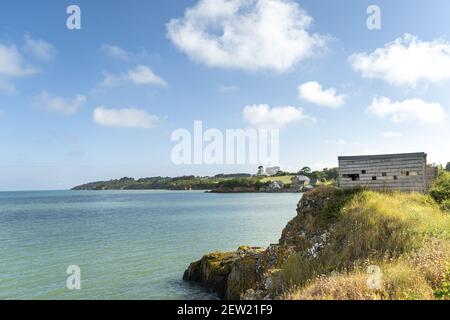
column 365, row 92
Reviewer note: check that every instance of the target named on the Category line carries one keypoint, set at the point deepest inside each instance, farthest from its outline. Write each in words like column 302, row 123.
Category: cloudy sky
column 102, row 102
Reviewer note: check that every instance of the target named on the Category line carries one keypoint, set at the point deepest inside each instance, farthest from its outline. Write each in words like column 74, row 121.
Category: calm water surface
column 128, row 244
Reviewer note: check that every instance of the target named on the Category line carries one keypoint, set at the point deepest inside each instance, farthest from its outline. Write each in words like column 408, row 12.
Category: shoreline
column 216, row 191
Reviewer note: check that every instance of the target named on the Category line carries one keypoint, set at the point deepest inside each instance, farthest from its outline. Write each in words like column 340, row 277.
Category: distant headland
column 265, row 180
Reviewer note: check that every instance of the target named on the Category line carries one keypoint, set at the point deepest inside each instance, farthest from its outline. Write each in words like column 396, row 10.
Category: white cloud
column 112, row 80
column 392, row 135
column 263, row 116
column 314, row 93
column 39, row 49
column 119, row 53
column 141, row 75
column 59, row 105
column 408, row 110
column 406, row 61
column 124, row 118
column 12, row 63
column 115, row 52
column 246, row 34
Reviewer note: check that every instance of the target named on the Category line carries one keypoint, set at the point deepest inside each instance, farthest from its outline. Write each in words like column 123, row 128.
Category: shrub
column 440, row 191
column 445, row 205
column 444, row 292
column 241, row 182
column 298, row 269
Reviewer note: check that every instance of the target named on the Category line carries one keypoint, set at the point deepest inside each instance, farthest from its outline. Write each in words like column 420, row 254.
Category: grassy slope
column 406, row 235
column 284, row 179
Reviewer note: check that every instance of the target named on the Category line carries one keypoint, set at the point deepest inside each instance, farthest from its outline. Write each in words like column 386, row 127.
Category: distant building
column 403, row 172
column 298, row 183
column 272, row 171
column 301, row 180
column 276, row 185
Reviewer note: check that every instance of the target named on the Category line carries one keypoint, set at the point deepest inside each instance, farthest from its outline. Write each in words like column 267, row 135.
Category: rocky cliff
column 254, row 273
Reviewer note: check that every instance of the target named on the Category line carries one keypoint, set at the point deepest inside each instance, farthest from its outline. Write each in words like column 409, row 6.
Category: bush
column 440, row 191
column 241, row 183
column 444, row 292
column 445, row 205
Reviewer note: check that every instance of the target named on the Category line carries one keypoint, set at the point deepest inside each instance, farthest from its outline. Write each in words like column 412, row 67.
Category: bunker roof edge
column 383, row 156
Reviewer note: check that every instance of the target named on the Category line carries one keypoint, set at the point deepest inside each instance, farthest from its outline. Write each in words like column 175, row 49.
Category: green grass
column 284, row 179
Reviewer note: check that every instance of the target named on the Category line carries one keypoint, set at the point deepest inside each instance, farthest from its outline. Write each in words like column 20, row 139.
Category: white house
column 276, row 185
column 300, row 181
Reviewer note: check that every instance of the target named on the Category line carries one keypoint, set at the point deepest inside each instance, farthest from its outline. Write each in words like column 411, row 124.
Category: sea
column 88, row 245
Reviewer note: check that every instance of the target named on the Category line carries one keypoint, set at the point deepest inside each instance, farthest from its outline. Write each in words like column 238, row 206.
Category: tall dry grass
column 405, row 233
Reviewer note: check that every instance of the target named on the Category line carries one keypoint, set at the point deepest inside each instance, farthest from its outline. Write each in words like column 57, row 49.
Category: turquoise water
column 128, row 244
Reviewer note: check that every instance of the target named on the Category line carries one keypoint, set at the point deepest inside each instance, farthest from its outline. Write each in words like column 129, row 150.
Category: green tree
column 305, row 171
column 260, row 170
column 447, row 167
column 331, row 174
column 319, row 175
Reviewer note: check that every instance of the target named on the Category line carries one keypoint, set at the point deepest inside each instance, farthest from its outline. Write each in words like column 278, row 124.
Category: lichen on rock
column 228, row 274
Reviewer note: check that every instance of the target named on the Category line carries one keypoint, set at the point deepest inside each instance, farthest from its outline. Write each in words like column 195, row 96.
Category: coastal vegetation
column 406, row 235
column 440, row 191
column 164, row 183
column 218, row 182
column 346, row 245
column 286, row 179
